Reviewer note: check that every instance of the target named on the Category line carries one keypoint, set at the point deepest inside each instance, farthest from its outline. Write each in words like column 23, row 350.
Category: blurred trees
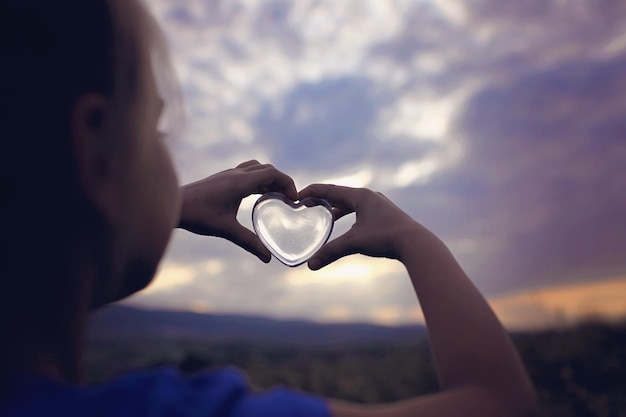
column 577, row 371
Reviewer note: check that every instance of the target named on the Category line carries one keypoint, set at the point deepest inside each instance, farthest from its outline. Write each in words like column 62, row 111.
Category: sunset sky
column 498, row 124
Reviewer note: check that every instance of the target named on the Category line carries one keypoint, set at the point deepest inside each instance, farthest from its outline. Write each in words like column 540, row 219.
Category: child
column 89, row 200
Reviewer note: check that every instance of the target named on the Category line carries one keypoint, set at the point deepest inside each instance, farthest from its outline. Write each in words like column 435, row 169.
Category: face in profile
column 146, row 187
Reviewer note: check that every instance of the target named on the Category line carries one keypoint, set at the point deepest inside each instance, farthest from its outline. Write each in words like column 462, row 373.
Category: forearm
column 478, row 367
column 469, row 345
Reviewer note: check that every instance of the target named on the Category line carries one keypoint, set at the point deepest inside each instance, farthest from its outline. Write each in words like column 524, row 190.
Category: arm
column 210, row 206
column 478, row 368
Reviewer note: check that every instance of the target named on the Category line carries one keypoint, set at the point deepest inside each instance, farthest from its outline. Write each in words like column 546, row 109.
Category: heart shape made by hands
column 292, row 231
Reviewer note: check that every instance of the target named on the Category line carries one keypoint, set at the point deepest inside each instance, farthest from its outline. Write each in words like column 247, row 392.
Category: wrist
column 418, row 245
column 183, row 212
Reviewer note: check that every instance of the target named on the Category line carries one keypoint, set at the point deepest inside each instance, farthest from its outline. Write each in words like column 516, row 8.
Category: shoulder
column 165, row 392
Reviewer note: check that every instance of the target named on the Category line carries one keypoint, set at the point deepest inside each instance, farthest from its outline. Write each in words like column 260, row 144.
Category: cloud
column 320, row 126
column 500, row 125
column 258, row 99
column 543, row 172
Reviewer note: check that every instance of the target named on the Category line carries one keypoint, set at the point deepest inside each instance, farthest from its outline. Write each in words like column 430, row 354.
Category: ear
column 92, row 150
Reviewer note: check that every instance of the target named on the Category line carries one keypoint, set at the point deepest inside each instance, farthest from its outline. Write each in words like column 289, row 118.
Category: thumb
column 247, row 240
column 332, row 251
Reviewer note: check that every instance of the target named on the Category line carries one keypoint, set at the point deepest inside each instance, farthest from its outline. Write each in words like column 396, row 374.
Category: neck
column 52, row 338
column 61, row 358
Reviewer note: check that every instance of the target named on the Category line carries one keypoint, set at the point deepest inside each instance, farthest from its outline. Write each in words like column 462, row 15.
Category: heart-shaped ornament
column 292, row 231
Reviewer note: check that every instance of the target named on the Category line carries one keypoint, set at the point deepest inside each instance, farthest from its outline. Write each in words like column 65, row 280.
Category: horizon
column 558, row 319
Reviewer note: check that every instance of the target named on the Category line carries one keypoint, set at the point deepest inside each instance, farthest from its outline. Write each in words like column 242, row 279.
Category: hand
column 210, row 206
column 381, row 228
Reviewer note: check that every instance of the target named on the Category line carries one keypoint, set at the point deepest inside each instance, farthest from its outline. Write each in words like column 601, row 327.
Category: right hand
column 381, row 229
column 210, row 206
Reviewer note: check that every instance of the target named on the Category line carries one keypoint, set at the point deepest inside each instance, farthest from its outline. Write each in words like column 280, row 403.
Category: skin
column 127, row 174
column 232, row 186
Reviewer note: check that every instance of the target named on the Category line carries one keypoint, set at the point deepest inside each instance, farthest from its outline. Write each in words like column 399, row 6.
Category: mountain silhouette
column 122, row 323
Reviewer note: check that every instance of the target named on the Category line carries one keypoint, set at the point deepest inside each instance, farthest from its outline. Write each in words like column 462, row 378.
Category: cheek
column 164, row 199
column 156, row 214
column 171, row 192
column 167, row 163
column 155, row 193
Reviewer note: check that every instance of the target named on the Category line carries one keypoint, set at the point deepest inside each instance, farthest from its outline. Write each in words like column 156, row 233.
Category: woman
column 90, row 198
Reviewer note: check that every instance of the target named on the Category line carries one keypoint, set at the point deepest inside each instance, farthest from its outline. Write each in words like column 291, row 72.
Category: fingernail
column 315, row 264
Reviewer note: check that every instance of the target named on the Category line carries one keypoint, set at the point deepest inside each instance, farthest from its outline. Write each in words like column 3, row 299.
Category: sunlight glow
column 424, row 119
column 563, row 305
column 200, row 306
column 337, row 314
column 453, row 10
column 360, row 271
column 360, row 179
column 172, row 275
column 416, row 172
column 213, row 266
column 387, row 315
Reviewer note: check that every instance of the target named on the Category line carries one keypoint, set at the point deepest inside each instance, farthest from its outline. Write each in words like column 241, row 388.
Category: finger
column 255, row 165
column 247, row 240
column 270, row 179
column 248, row 164
column 338, row 213
column 258, row 167
column 338, row 196
column 333, row 250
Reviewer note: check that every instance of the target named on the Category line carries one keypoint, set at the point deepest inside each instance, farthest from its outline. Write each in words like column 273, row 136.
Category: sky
column 498, row 124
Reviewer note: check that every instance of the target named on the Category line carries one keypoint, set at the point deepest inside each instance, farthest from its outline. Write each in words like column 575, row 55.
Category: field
column 578, row 371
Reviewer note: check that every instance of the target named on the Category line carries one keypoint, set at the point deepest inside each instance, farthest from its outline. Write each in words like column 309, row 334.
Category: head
column 89, row 195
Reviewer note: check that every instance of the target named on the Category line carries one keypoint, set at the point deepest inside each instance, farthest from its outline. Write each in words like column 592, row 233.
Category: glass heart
column 293, row 232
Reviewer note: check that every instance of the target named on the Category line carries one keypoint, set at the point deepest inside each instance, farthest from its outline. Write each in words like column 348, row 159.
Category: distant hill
column 127, row 324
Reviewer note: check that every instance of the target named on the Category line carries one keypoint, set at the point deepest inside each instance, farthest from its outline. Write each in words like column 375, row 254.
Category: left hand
column 381, row 228
column 210, row 206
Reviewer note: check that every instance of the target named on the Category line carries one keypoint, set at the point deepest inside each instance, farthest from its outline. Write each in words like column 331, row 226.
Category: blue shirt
column 161, row 392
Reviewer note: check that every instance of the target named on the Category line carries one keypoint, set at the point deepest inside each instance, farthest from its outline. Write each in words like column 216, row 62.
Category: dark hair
column 52, row 53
